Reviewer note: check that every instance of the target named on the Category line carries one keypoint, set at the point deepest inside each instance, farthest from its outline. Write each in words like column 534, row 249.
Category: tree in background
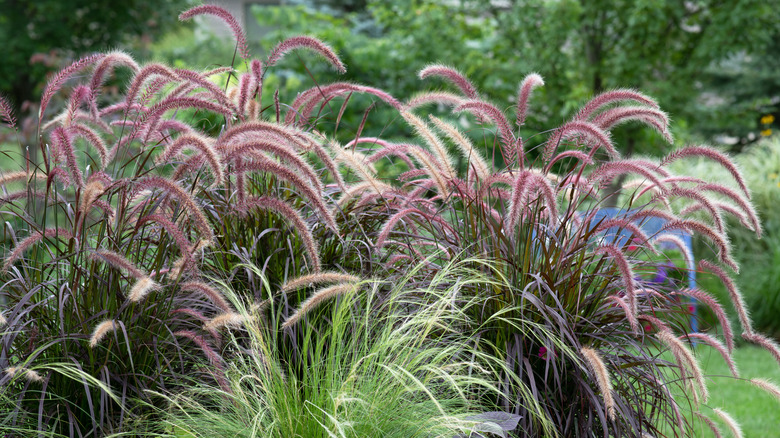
column 35, row 33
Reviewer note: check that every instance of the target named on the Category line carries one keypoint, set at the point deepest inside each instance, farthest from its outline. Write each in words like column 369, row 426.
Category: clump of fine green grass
column 378, row 360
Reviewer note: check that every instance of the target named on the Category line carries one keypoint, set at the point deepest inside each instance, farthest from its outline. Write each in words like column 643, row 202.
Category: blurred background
column 714, row 66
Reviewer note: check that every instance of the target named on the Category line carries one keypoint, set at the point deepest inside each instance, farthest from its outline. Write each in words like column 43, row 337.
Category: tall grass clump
column 575, row 273
column 106, row 233
column 370, row 365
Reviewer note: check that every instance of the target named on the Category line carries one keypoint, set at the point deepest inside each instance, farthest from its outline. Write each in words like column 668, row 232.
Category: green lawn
column 756, row 411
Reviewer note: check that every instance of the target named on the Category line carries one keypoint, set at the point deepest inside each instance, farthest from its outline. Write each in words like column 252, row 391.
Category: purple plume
column 225, row 16
column 305, row 42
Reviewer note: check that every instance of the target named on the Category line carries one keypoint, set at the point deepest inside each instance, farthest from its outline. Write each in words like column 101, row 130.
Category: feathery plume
column 677, row 242
column 730, row 422
column 30, row 375
column 626, row 272
column 3, row 320
column 118, row 261
column 305, row 42
column 489, row 111
column 453, row 76
column 101, row 330
column 91, row 192
column 214, row 358
column 149, row 70
column 200, row 144
column 213, row 294
column 229, row 320
column 719, row 239
column 316, row 299
column 652, row 117
column 318, row 278
column 695, row 195
column 717, row 345
column 226, row 17
column 6, row 114
column 241, row 150
column 630, row 316
column 685, row 360
column 433, row 141
column 530, row 82
column 711, row 424
column 734, row 293
column 281, row 172
column 717, row 309
column 464, row 144
column 438, row 97
column 712, row 154
column 31, row 240
column 613, row 96
column 56, row 82
column 599, row 370
column 295, row 219
column 141, row 288
column 110, row 61
column 764, row 342
column 92, row 137
column 63, row 146
column 187, row 202
column 767, row 386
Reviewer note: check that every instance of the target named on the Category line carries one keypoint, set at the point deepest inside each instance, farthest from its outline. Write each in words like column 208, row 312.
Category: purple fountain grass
column 433, row 141
column 637, row 235
column 613, row 96
column 318, row 278
column 711, row 424
column 198, row 143
column 767, row 386
column 211, row 354
column 229, row 320
column 227, row 18
column 163, row 73
column 605, row 173
column 530, row 82
column 744, row 204
column 93, row 138
column 31, row 376
column 92, row 191
column 316, row 299
column 110, row 62
column 185, row 199
column 522, row 188
column 626, row 272
column 141, row 288
column 475, row 160
column 736, row 296
column 118, row 261
column 307, row 101
column 718, row 346
column 216, row 297
column 265, row 165
column 676, row 241
column 686, row 361
column 600, row 137
column 599, row 369
column 630, row 315
column 309, row 43
column 732, row 424
column 712, row 154
column 510, row 151
column 62, row 145
column 265, row 131
column 185, row 247
column 236, row 151
column 453, row 76
column 652, row 117
column 100, row 332
column 438, row 97
column 201, row 81
column 56, row 82
column 702, row 200
column 32, row 239
column 295, row 219
column 720, row 240
column 763, row 342
column 6, row 113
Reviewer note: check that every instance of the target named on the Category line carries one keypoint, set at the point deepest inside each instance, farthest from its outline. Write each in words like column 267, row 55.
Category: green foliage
column 386, row 360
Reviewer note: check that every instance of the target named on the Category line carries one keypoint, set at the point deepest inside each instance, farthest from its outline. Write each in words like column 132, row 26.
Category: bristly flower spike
column 225, row 16
column 31, row 240
column 530, row 82
column 56, row 82
column 305, row 42
column 453, row 76
column 101, row 330
column 599, row 369
column 6, row 113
